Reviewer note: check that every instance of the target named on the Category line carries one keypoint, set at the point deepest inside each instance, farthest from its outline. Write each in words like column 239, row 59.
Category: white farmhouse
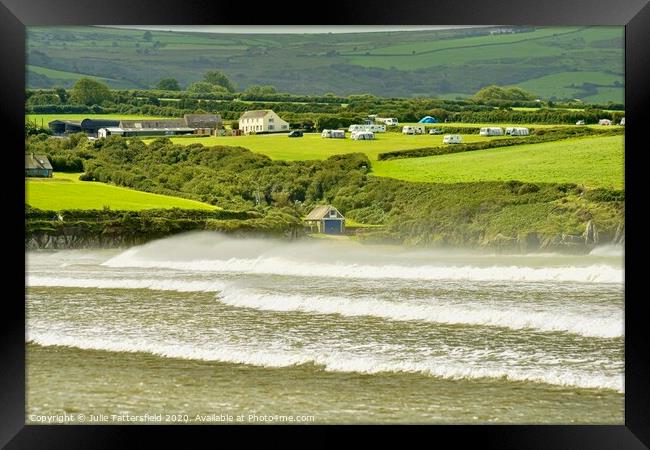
column 262, row 121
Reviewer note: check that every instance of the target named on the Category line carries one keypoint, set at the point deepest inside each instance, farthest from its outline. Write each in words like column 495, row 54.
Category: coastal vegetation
column 546, row 212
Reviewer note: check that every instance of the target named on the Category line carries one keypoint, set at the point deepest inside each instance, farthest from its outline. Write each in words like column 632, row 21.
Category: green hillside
column 554, row 63
column 593, row 162
column 65, row 191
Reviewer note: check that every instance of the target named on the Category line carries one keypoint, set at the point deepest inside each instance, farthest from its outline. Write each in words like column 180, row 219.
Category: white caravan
column 371, row 128
column 390, row 121
column 362, row 135
column 517, row 131
column 333, row 134
column 452, row 139
column 491, row 131
column 413, row 129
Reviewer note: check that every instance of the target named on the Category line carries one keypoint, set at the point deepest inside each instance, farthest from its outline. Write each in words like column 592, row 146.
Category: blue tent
column 428, row 119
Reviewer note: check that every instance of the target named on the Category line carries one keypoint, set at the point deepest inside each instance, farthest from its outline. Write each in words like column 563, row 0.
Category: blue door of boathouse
column 332, row 226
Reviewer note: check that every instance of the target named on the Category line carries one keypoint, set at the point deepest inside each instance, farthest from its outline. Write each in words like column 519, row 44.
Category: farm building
column 262, row 121
column 159, row 127
column 110, row 131
column 202, row 124
column 326, row 219
column 491, row 131
column 333, row 134
column 604, row 122
column 37, row 166
column 428, row 119
column 89, row 126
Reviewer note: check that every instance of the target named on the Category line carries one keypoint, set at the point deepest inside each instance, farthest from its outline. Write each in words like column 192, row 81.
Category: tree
column 62, row 93
column 147, row 36
column 217, row 78
column 200, row 87
column 501, row 93
column 168, row 84
column 44, row 99
column 87, row 91
column 258, row 91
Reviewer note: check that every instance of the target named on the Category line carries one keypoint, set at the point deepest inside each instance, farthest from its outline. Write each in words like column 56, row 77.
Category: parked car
column 295, row 133
column 580, row 122
column 435, row 131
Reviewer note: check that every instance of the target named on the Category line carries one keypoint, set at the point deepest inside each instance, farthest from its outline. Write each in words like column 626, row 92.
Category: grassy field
column 312, row 146
column 594, row 162
column 44, row 119
column 432, row 63
column 563, row 85
column 63, row 75
column 65, row 191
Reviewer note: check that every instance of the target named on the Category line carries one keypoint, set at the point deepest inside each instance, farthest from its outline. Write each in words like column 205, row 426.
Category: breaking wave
column 434, row 311
column 126, row 283
column 336, row 361
column 596, row 273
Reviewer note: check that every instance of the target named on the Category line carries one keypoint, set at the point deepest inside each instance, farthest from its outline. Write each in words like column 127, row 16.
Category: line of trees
column 215, row 93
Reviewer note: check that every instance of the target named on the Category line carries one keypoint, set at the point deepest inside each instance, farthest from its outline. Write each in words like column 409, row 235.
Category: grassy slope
column 594, row 162
column 63, row 75
column 65, row 191
column 462, row 51
column 563, row 84
column 312, row 146
column 391, row 64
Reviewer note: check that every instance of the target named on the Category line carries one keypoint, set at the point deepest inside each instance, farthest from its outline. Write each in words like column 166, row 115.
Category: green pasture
column 567, row 85
column 62, row 75
column 312, row 146
column 65, row 191
column 593, row 162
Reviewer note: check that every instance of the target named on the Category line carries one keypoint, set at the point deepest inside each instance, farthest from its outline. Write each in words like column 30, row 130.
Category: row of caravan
column 510, row 131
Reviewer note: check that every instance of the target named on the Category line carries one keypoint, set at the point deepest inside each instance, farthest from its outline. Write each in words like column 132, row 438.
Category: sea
column 214, row 329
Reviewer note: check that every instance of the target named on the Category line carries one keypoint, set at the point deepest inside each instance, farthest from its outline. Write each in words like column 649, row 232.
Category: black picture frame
column 15, row 15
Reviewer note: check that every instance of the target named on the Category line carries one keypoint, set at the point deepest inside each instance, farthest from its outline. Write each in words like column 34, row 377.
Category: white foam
column 434, row 311
column 607, row 250
column 127, row 283
column 335, row 361
column 596, row 273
